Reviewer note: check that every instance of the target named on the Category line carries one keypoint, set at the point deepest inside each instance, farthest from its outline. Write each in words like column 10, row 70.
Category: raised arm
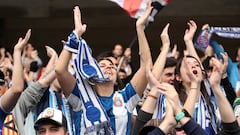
column 188, row 39
column 161, row 60
column 66, row 80
column 49, row 75
column 225, row 109
column 10, row 98
column 139, row 80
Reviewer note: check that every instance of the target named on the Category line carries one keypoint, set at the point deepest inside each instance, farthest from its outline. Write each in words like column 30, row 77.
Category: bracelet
column 179, row 116
column 186, row 113
column 153, row 96
column 193, row 88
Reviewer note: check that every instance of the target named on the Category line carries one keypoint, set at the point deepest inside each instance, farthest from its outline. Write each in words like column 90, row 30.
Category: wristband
column 186, row 113
column 179, row 116
column 153, row 96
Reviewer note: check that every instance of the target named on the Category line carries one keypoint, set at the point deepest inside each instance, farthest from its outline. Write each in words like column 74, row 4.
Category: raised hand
column 169, row 92
column 50, row 51
column 144, row 18
column 164, row 36
column 217, row 71
column 22, row 41
column 189, row 33
column 79, row 27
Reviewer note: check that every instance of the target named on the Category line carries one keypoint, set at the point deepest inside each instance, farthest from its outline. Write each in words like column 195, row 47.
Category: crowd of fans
column 75, row 94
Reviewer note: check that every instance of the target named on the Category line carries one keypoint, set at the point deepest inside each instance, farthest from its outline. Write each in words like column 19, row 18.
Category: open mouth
column 195, row 72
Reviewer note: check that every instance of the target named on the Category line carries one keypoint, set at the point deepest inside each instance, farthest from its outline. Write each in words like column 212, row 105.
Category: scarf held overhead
column 89, row 73
column 204, row 37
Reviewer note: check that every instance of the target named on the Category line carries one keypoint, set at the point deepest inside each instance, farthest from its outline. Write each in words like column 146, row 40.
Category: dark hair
column 34, row 66
column 170, row 62
column 206, row 63
column 181, row 91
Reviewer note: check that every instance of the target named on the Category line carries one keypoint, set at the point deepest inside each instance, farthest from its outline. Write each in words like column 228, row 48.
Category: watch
column 186, row 113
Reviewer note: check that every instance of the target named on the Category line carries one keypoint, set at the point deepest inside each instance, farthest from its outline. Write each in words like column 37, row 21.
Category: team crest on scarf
column 117, row 102
column 202, row 41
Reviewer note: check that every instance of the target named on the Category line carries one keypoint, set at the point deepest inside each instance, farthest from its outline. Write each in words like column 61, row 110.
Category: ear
column 178, row 78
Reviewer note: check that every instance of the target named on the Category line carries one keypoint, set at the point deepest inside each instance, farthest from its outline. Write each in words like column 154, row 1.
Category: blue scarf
column 204, row 36
column 88, row 73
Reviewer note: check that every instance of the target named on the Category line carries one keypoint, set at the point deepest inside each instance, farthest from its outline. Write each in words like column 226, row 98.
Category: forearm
column 160, row 62
column 191, row 100
column 47, row 78
column 149, row 104
column 17, row 75
column 29, row 98
column 139, row 80
column 144, row 51
column 63, row 61
column 225, row 109
column 191, row 49
column 52, row 62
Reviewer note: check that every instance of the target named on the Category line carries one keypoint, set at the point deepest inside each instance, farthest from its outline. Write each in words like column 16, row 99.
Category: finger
column 19, row 40
column 165, row 29
column 27, row 36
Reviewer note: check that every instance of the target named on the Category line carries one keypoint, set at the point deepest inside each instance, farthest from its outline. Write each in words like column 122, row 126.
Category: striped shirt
column 119, row 107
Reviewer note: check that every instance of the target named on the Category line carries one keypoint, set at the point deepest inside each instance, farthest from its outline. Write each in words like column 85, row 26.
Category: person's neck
column 104, row 89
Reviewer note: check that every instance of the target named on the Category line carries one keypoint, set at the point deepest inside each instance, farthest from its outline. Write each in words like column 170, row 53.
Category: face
column 29, row 49
column 122, row 75
column 118, row 50
column 168, row 75
column 50, row 129
column 109, row 69
column 193, row 66
column 181, row 132
column 3, row 89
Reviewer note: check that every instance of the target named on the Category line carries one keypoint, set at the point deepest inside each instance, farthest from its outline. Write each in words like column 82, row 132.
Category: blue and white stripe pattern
column 201, row 114
column 204, row 36
column 226, row 32
column 87, row 74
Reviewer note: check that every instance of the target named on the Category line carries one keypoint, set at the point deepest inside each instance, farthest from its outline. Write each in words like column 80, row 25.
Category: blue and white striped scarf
column 204, row 36
column 87, row 74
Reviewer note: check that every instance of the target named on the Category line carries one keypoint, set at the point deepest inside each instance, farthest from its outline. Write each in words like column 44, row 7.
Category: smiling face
column 168, row 75
column 109, row 69
column 194, row 67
